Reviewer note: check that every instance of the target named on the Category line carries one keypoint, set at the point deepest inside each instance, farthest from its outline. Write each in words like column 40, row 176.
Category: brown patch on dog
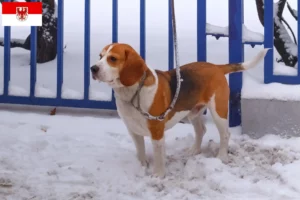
column 130, row 64
column 200, row 82
column 221, row 100
column 160, row 103
column 133, row 68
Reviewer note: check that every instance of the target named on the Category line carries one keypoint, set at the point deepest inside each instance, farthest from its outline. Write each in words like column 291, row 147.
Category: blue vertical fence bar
column 143, row 29
column 87, row 19
column 201, row 30
column 60, row 48
column 6, row 59
column 6, row 77
column 114, row 30
column 33, row 52
column 115, row 21
column 268, row 40
column 171, row 43
column 236, row 55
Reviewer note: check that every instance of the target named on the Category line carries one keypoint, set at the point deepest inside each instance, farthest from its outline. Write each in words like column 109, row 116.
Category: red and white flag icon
column 22, row 13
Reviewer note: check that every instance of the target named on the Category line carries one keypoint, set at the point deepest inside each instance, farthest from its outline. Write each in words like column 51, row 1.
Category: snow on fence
column 237, row 33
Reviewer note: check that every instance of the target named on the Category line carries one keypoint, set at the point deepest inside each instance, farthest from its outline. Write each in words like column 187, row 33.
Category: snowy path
column 77, row 157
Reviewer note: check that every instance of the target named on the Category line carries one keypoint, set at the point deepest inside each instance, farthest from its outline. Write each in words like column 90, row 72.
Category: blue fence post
column 6, row 60
column 87, row 41
column 115, row 21
column 236, row 55
column 114, row 32
column 268, row 40
column 201, row 30
column 60, row 47
column 33, row 52
column 171, row 43
column 6, row 77
column 143, row 29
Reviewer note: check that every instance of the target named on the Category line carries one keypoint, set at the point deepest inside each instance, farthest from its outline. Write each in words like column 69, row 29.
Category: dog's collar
column 137, row 92
column 138, row 108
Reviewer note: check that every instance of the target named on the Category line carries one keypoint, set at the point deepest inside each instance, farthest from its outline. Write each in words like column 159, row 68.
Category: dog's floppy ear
column 133, row 69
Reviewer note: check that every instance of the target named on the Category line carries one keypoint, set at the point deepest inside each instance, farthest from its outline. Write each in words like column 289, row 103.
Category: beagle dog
column 203, row 85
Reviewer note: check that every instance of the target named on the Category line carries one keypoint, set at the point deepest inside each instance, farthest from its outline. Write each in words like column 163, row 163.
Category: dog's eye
column 100, row 57
column 113, row 59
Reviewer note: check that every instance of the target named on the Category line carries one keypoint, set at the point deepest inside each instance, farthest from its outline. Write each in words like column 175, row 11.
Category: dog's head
column 119, row 65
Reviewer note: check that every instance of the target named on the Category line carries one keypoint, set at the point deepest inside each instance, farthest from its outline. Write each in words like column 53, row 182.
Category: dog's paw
column 159, row 173
column 144, row 163
column 194, row 150
column 223, row 157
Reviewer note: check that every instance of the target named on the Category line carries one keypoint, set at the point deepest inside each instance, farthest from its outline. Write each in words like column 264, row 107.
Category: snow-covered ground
column 78, row 157
column 45, row 157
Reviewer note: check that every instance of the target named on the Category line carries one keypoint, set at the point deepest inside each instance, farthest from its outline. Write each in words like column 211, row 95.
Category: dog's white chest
column 132, row 118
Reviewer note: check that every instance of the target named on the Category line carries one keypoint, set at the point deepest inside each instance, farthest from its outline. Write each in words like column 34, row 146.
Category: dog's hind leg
column 218, row 107
column 200, row 129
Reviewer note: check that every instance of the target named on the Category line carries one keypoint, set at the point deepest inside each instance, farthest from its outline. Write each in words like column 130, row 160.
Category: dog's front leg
column 159, row 154
column 139, row 143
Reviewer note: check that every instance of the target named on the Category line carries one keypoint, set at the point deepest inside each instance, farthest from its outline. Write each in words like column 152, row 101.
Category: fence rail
column 236, row 54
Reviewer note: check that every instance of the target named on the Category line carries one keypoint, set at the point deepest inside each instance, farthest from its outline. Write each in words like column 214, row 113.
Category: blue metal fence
column 236, row 54
column 269, row 77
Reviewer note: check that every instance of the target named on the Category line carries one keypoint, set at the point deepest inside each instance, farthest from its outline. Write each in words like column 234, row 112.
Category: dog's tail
column 238, row 67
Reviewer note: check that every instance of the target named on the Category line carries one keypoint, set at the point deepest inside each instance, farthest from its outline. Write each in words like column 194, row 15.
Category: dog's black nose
column 94, row 69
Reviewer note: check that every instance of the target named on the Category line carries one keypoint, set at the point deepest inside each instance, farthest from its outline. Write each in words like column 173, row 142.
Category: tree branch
column 289, row 27
column 260, row 10
column 282, row 40
column 292, row 11
column 281, row 4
